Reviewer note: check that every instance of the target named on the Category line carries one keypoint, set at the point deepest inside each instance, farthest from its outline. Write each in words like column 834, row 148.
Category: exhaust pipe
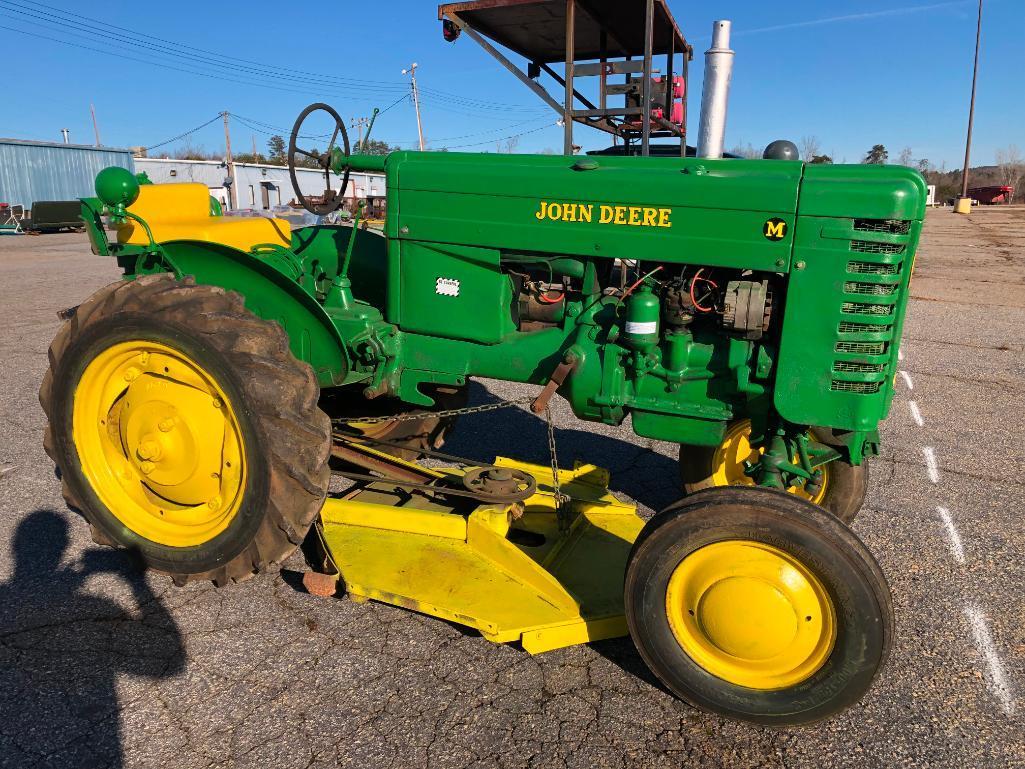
column 715, row 95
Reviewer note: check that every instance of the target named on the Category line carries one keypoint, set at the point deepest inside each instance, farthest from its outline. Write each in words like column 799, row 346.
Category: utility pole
column 232, row 197
column 963, row 205
column 254, row 148
column 96, row 129
column 358, row 123
column 416, row 101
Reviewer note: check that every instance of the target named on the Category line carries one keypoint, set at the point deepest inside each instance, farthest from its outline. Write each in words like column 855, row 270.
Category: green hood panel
column 863, row 192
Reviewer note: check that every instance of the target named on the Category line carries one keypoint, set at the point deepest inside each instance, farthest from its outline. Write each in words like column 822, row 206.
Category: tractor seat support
column 182, row 212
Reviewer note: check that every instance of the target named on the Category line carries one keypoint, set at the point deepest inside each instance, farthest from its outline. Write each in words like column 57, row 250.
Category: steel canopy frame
column 585, row 35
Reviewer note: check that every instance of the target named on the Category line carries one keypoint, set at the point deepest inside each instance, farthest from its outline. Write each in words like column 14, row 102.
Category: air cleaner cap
column 781, row 149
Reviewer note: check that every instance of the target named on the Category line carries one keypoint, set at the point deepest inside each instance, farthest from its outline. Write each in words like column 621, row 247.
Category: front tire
column 758, row 605
column 185, row 430
column 842, row 489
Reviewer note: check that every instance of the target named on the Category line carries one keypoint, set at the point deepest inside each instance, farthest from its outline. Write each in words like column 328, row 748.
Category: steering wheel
column 332, row 200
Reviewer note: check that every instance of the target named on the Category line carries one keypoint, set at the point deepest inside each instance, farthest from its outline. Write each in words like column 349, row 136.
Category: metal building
column 31, row 171
column 257, row 185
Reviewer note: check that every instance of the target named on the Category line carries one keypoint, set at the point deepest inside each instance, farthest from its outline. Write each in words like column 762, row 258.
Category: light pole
column 963, row 205
column 416, row 101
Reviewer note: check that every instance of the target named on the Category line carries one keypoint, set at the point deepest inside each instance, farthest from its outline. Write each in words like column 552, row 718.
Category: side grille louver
column 863, row 345
column 891, row 226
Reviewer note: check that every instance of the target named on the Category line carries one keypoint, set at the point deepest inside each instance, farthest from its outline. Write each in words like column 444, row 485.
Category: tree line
column 1009, row 168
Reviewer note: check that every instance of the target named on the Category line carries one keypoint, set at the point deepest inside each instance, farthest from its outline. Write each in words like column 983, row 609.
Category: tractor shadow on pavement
column 649, row 478
column 63, row 646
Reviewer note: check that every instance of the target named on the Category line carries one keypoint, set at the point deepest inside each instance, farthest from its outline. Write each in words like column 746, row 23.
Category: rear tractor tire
column 185, row 430
column 758, row 605
column 841, row 492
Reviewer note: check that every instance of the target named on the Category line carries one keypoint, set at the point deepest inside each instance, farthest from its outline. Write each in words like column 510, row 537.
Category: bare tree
column 810, row 148
column 1011, row 166
column 905, row 158
column 745, row 151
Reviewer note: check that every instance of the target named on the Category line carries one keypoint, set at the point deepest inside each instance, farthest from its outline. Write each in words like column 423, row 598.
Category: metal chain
column 560, row 500
column 560, row 507
column 413, row 416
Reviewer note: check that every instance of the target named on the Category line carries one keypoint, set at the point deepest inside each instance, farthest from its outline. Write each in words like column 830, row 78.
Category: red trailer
column 990, row 196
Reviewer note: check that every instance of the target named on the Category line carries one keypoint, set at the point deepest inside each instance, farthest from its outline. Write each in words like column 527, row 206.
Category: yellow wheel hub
column 159, row 442
column 751, row 614
column 728, row 463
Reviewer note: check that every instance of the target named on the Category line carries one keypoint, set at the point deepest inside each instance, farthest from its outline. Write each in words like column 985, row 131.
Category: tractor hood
column 862, row 192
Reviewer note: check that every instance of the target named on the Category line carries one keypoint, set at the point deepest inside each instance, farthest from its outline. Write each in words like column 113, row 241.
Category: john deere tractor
column 748, row 310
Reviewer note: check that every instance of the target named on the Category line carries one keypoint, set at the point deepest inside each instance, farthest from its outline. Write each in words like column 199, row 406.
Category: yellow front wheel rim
column 751, row 614
column 729, row 458
column 159, row 442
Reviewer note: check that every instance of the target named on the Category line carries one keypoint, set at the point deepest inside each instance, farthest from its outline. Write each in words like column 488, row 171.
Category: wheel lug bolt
column 214, row 503
column 147, row 467
column 132, row 374
column 166, row 425
column 217, row 403
column 148, row 449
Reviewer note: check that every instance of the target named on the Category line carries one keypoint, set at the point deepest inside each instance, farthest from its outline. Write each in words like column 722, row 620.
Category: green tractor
column 748, row 310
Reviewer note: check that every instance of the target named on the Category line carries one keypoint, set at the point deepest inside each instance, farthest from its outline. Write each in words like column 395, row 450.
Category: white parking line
column 984, row 642
column 907, row 379
column 916, row 414
column 956, row 546
column 930, row 464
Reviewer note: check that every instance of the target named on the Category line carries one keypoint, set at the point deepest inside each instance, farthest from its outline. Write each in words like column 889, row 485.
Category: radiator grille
column 862, row 348
column 853, row 367
column 871, row 247
column 870, row 268
column 870, row 289
column 891, row 226
column 861, row 388
column 863, row 308
column 849, row 327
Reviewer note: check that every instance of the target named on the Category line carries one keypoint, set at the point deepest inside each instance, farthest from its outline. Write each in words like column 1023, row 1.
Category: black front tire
column 828, row 549
column 845, row 493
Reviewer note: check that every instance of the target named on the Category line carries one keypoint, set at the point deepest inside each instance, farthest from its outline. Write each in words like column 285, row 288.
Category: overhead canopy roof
column 536, row 29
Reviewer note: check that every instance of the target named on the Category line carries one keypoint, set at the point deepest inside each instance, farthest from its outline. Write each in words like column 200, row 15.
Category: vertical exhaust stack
column 715, row 95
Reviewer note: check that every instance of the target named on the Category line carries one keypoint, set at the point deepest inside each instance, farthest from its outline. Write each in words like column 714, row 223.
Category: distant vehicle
column 55, row 215
column 994, row 195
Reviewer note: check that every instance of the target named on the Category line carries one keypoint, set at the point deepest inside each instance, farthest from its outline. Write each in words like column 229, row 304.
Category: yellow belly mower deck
column 506, row 570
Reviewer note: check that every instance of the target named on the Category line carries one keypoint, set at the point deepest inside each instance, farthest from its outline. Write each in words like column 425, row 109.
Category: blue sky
column 852, row 74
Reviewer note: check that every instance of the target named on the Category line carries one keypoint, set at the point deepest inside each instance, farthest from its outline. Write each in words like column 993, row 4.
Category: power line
column 176, row 49
column 78, row 24
column 216, row 117
column 505, row 138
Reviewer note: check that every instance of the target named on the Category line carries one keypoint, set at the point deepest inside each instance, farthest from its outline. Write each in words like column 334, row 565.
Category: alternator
column 747, row 307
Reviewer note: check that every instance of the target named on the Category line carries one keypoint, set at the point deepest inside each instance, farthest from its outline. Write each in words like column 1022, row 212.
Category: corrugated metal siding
column 31, row 171
column 250, row 179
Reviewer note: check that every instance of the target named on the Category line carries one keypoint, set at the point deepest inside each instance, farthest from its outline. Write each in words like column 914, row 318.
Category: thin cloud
column 853, row 17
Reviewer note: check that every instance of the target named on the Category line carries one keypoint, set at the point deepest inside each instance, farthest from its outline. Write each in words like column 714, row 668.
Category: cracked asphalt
column 101, row 666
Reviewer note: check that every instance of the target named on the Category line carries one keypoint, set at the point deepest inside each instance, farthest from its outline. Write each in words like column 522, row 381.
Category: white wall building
column 258, row 186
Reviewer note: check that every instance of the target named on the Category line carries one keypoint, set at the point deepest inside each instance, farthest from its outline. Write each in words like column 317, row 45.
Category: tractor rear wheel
column 841, row 490
column 184, row 429
column 758, row 605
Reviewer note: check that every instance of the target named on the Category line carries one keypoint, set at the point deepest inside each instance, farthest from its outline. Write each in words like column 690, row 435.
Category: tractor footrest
column 506, row 570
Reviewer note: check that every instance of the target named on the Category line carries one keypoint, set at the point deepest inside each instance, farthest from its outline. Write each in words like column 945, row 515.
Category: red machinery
column 991, row 196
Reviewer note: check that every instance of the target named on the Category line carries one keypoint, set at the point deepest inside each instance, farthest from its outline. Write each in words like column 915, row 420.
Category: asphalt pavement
column 101, row 666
